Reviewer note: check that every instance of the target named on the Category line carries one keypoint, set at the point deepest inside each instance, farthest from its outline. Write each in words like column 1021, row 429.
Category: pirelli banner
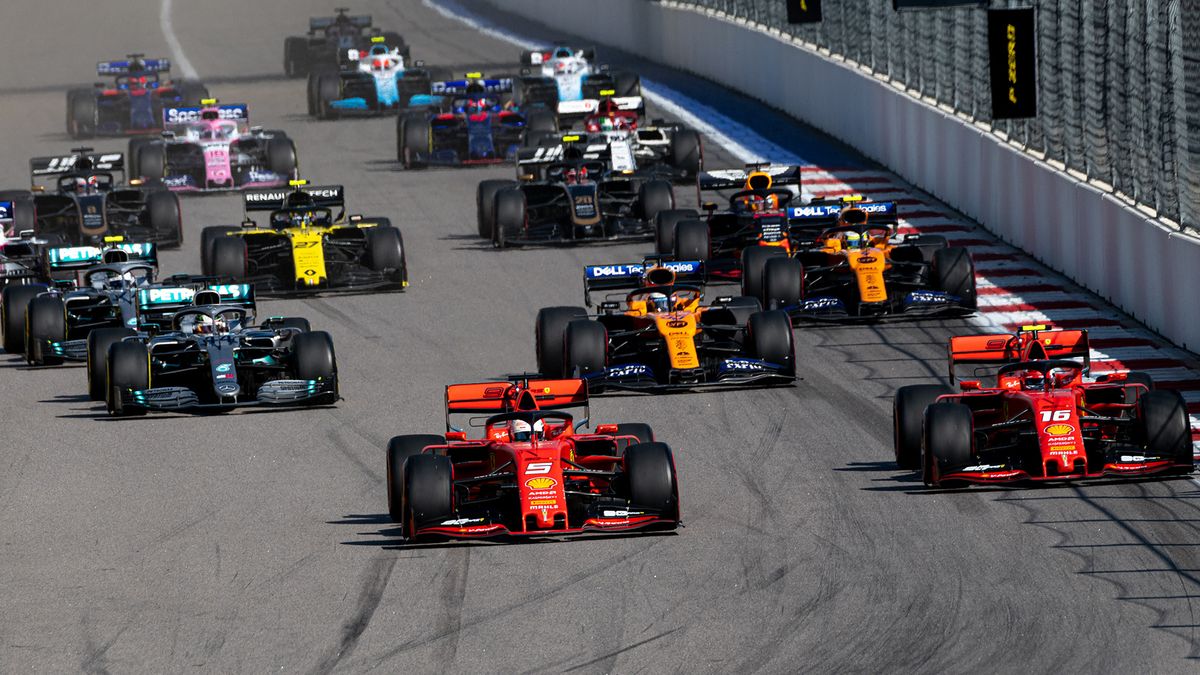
column 1013, row 63
column 804, row 11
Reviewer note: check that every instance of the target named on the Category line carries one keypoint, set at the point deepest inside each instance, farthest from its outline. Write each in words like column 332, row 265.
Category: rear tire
column 954, row 273
column 315, row 360
column 98, row 343
column 754, row 262
column 686, row 152
column 949, row 438
column 783, row 283
column 692, row 240
column 428, row 495
column 14, row 305
column 510, row 217
column 770, row 334
column 549, row 335
column 165, row 218
column 908, row 418
column 650, row 475
column 485, row 204
column 45, row 321
column 128, row 368
column 229, row 258
column 655, row 197
column 399, row 449
column 664, row 228
column 585, row 348
column 1164, row 426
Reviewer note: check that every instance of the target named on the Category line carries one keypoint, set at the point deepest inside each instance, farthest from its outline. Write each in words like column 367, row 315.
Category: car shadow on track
column 392, row 537
column 99, row 414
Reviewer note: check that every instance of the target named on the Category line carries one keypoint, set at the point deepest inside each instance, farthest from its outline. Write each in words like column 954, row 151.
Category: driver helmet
column 1033, row 380
column 854, row 240
column 203, row 325
column 570, row 176
column 658, row 302
column 523, row 432
column 1061, row 378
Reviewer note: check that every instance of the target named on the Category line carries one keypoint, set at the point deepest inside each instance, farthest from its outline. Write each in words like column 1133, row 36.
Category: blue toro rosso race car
column 376, row 80
column 132, row 103
column 468, row 121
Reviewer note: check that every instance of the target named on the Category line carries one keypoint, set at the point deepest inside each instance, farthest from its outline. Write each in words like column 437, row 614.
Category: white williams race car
column 568, row 81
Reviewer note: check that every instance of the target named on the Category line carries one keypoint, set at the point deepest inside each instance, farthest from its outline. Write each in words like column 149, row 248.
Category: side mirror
column 419, row 63
column 168, row 135
column 249, row 224
column 606, row 428
column 969, row 385
column 456, row 435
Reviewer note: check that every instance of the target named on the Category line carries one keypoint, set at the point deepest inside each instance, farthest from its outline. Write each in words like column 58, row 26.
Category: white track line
column 168, row 31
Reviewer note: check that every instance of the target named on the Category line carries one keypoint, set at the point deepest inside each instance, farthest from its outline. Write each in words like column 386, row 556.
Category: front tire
column 1164, row 427
column 98, row 343
column 416, row 141
column 655, row 197
column 165, row 218
column 692, row 240
column 510, row 217
column 316, row 361
column 46, row 321
column 428, row 495
column 485, row 204
column 549, row 337
column 128, row 369
column 954, row 273
column 949, row 440
column 783, row 283
column 14, row 305
column 229, row 258
column 399, row 449
column 754, row 262
column 664, row 228
column 385, row 252
column 650, row 475
column 585, row 348
column 770, row 334
column 908, row 417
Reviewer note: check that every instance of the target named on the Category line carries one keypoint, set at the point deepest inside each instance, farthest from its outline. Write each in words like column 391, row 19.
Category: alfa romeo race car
column 855, row 266
column 305, row 248
column 88, row 204
column 531, row 473
column 373, row 81
column 213, row 148
column 1041, row 419
column 464, row 122
column 330, row 39
column 132, row 103
column 671, row 149
column 213, row 359
column 575, row 200
column 568, row 81
column 658, row 336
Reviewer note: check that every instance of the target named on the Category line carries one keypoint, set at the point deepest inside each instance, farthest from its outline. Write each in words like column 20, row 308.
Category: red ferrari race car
column 1041, row 420
column 532, row 473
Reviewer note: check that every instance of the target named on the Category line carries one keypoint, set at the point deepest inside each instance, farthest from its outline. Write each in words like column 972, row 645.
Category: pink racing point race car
column 1045, row 418
column 213, row 147
column 531, row 473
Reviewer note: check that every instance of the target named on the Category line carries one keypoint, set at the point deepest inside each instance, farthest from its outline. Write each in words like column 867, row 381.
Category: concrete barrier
column 1141, row 265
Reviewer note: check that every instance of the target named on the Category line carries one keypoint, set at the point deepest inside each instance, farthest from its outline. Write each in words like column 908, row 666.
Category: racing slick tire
column 192, row 92
column 782, row 283
column 541, row 121
column 585, row 348
column 316, row 360
column 485, row 204
column 754, row 263
column 770, row 334
column 949, row 436
column 45, row 320
column 1163, row 426
column 664, row 228
column 649, row 471
column 692, row 240
column 328, row 90
column 228, row 258
column 627, row 83
column 150, row 160
column 549, row 337
column 208, row 237
column 82, row 113
column 281, row 156
column 165, row 219
column 428, row 494
column 399, row 449
column 954, row 273
column 655, row 197
column 134, row 155
column 14, row 305
column 385, row 252
column 639, row 430
column 510, row 216
column 311, row 92
column 98, row 342
column 687, row 154
column 415, row 136
column 128, row 368
column 295, row 57
column 908, row 416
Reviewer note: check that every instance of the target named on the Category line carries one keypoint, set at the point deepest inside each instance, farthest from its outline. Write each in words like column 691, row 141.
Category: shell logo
column 541, row 483
column 1060, row 429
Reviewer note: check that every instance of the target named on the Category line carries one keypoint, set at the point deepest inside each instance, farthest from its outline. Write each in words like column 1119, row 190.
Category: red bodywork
column 550, row 474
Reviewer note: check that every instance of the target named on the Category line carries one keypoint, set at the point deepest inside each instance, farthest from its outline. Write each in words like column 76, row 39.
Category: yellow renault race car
column 304, row 248
column 657, row 335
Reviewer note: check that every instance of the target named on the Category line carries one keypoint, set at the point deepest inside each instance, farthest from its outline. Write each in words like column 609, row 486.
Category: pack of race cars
column 79, row 258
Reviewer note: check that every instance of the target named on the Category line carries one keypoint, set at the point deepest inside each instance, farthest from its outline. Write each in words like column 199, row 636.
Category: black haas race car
column 563, row 198
column 132, row 103
column 212, row 358
column 88, row 204
column 330, row 39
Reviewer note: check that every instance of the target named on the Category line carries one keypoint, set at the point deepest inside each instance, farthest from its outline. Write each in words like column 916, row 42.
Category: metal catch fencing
column 1118, row 81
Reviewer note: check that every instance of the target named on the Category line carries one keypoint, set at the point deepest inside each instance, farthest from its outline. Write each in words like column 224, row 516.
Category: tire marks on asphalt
column 374, row 582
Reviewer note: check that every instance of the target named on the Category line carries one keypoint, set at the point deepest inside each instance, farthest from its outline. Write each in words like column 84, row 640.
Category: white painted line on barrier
column 168, row 31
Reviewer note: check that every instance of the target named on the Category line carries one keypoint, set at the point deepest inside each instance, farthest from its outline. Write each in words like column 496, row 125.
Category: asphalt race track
column 257, row 542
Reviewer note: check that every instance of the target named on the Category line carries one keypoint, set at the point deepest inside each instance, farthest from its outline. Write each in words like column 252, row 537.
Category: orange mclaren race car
column 1040, row 420
column 656, row 335
column 532, row 472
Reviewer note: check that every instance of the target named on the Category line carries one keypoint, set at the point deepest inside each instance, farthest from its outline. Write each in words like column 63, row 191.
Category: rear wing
column 735, row 179
column 497, row 85
column 618, row 155
column 620, row 276
column 1031, row 343
column 540, row 56
column 157, row 306
column 493, row 398
column 76, row 258
column 238, row 112
column 63, row 164
column 317, row 23
column 829, row 213
column 328, row 196
column 591, row 106
column 133, row 66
